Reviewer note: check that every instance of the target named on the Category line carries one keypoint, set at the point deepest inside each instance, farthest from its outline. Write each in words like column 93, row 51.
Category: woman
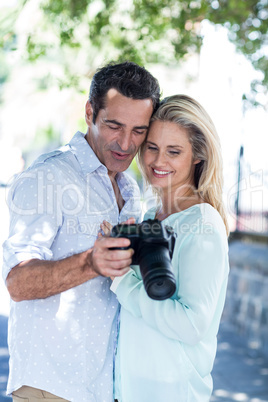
column 166, row 349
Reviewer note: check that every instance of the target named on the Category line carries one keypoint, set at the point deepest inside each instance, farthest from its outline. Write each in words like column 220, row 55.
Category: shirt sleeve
column 200, row 263
column 35, row 217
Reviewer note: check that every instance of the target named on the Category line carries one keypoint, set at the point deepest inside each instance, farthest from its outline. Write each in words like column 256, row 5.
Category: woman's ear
column 196, row 161
column 88, row 113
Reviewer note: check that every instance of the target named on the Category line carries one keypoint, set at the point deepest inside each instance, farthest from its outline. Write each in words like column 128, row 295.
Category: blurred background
column 213, row 50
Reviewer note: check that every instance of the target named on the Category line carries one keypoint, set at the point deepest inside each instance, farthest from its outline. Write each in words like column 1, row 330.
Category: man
column 63, row 316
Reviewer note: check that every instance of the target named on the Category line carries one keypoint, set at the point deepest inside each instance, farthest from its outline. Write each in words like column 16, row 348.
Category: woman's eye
column 174, row 152
column 151, row 148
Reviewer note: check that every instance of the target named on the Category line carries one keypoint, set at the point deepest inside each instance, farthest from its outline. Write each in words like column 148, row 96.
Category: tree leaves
column 144, row 31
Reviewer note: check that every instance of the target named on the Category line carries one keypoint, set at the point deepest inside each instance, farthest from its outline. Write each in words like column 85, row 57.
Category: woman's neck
column 173, row 203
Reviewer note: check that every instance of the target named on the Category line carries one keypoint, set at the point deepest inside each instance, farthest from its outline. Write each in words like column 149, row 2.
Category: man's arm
column 38, row 279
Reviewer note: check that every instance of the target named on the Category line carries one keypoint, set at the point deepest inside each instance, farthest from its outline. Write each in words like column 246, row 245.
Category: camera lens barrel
column 156, row 270
column 153, row 245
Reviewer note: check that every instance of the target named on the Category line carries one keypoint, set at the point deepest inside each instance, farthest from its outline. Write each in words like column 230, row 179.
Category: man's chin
column 118, row 167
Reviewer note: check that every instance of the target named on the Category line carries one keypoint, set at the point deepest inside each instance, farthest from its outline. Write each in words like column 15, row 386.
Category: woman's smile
column 160, row 173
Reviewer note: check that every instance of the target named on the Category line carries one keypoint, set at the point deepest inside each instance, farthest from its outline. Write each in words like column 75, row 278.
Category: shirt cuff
column 117, row 280
column 16, row 259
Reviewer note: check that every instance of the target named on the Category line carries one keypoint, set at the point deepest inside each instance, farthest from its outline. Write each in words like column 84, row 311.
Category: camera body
column 153, row 244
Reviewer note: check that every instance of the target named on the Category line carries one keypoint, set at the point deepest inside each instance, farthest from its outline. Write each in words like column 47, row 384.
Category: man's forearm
column 38, row 279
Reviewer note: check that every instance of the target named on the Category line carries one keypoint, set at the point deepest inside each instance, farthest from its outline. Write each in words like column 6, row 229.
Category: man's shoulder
column 62, row 155
column 50, row 166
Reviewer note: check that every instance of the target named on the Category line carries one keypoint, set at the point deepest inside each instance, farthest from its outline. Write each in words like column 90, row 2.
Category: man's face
column 119, row 130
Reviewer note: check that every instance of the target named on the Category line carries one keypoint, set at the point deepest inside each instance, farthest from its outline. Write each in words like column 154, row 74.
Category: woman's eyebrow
column 168, row 146
column 175, row 146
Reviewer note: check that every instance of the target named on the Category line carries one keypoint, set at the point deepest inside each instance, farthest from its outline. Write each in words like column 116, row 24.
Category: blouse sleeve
column 201, row 266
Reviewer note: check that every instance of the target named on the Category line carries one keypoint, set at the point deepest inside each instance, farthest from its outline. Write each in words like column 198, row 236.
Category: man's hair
column 128, row 78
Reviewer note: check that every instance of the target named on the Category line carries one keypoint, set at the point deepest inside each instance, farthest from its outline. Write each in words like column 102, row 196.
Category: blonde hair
column 208, row 176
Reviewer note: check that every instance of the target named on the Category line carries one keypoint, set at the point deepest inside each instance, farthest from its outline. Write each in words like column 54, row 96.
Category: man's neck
column 118, row 196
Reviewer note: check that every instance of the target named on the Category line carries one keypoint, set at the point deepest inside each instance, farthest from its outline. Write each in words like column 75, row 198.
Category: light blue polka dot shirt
column 64, row 344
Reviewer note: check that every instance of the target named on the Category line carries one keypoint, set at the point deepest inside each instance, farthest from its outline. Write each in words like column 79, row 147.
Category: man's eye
column 140, row 132
column 114, row 127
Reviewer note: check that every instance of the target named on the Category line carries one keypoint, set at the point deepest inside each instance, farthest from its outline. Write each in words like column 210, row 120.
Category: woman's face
column 168, row 157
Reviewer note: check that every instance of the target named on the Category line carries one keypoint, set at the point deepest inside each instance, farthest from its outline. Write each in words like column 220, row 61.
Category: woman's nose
column 160, row 159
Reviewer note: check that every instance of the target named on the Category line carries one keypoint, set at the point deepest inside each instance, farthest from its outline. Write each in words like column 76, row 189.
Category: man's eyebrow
column 123, row 125
column 114, row 122
column 142, row 127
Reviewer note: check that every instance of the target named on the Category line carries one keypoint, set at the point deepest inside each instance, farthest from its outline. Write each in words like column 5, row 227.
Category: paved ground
column 240, row 373
column 3, row 359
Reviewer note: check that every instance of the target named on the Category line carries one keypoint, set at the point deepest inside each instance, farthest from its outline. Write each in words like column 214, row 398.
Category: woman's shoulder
column 198, row 216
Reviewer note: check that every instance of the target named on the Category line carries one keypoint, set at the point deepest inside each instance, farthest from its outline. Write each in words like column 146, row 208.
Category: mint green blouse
column 166, row 349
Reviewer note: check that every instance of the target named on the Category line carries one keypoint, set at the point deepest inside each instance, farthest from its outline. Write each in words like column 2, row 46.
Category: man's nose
column 125, row 141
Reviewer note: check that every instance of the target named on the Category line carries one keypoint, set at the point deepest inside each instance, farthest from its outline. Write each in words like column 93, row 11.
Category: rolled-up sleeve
column 35, row 218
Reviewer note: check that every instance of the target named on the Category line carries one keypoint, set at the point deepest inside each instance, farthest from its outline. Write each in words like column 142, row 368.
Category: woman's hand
column 106, row 227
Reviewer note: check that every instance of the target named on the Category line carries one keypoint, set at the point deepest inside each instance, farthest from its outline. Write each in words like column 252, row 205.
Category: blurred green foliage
column 3, row 68
column 144, row 31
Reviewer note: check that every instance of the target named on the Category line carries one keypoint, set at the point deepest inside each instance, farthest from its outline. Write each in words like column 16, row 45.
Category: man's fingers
column 120, row 264
column 112, row 242
column 118, row 272
column 107, row 257
column 117, row 255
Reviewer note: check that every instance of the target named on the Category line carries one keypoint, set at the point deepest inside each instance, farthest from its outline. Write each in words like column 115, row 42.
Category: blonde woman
column 166, row 348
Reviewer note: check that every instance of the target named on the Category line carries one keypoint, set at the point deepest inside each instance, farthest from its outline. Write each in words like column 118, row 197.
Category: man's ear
column 88, row 113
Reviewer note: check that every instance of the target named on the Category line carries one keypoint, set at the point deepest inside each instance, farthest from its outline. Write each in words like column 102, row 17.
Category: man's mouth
column 120, row 156
column 160, row 173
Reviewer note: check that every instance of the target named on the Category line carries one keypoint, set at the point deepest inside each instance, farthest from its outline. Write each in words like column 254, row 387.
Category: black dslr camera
column 153, row 245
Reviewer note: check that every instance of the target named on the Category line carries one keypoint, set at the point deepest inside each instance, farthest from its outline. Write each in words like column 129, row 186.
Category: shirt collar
column 89, row 162
column 84, row 153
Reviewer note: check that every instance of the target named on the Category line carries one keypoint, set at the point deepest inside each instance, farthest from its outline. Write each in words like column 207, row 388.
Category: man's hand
column 106, row 228
column 38, row 279
column 107, row 262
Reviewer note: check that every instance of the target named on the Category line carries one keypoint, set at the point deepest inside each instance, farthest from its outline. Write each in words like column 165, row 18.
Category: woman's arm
column 201, row 270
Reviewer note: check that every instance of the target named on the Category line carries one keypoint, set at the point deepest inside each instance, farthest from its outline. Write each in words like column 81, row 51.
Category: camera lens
column 156, row 270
